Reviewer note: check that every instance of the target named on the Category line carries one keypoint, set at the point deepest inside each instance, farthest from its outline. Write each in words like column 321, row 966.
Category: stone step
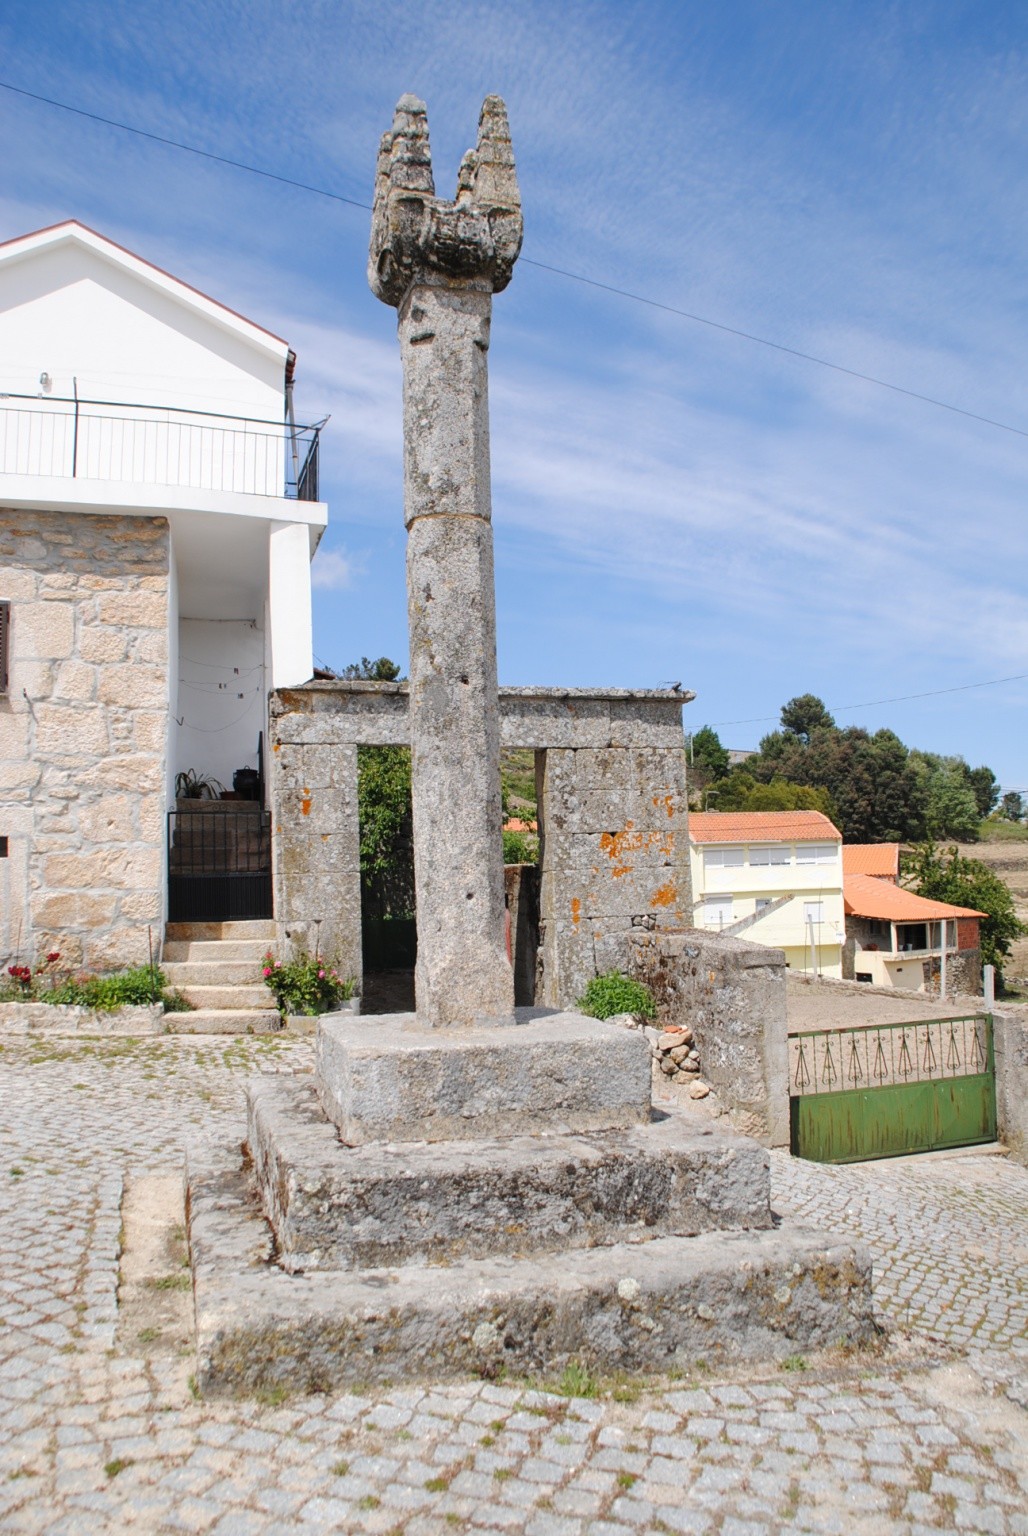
column 346, row 1208
column 212, row 973
column 648, row 1307
column 254, row 950
column 229, row 997
column 249, row 928
column 386, row 1077
column 225, row 1021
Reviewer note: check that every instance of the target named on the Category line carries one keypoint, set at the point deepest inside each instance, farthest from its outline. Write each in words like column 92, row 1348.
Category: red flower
column 56, row 955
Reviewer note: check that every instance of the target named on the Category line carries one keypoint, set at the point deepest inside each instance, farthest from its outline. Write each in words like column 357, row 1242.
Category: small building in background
column 773, row 877
column 895, row 938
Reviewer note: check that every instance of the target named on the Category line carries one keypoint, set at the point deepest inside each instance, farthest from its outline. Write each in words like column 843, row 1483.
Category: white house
column 158, row 514
column 773, row 877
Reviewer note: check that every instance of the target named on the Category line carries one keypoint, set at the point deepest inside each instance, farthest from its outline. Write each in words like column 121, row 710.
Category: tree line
column 873, row 787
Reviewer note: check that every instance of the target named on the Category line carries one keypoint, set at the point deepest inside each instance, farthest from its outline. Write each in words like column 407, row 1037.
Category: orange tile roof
column 761, row 827
column 517, row 824
column 881, row 859
column 864, row 896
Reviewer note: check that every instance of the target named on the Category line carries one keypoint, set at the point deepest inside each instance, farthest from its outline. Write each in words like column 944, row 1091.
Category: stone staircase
column 217, row 968
column 433, row 1203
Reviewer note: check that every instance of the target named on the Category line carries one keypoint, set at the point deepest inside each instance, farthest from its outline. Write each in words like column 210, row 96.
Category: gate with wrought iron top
column 884, row 1090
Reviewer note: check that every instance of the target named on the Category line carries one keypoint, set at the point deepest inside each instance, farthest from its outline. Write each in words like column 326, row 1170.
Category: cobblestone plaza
column 99, row 1430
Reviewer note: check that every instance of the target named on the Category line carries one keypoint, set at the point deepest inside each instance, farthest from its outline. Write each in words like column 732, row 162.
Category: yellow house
column 774, row 877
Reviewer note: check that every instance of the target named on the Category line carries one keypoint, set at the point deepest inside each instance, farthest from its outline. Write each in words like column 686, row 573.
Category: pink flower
column 278, row 965
column 267, row 970
column 321, row 975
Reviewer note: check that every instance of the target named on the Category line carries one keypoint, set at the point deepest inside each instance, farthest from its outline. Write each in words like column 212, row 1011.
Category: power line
column 576, row 277
column 900, row 698
column 189, row 149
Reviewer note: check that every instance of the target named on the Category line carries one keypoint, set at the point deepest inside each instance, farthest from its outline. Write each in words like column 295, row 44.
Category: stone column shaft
column 463, row 974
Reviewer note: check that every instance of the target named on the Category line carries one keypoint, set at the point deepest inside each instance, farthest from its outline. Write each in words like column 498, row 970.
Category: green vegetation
column 306, row 985
column 613, row 993
column 946, row 875
column 520, row 848
column 871, row 785
column 47, row 983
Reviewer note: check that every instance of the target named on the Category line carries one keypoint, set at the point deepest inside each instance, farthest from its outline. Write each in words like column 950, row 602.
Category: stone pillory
column 439, row 263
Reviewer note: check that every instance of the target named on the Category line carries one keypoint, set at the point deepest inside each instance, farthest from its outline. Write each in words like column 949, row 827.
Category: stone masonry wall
column 83, row 735
column 731, row 994
column 612, row 806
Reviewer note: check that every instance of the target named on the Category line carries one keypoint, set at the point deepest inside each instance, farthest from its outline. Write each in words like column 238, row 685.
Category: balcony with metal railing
column 167, row 446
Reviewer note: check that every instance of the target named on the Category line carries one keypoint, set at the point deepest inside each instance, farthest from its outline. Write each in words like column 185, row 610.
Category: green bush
column 306, row 985
column 614, row 993
column 103, row 994
column 519, row 848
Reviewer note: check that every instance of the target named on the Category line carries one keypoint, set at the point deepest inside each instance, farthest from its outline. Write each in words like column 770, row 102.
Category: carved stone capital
column 418, row 237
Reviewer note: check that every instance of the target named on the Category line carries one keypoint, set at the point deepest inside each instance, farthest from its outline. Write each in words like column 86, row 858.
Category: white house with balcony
column 773, row 877
column 158, row 514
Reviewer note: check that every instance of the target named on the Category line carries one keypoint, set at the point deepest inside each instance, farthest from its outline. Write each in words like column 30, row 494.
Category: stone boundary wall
column 84, row 736
column 731, row 995
column 57, row 1019
column 614, row 851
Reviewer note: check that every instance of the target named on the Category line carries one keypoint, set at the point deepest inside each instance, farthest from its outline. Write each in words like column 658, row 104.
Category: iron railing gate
column 219, row 865
column 884, row 1090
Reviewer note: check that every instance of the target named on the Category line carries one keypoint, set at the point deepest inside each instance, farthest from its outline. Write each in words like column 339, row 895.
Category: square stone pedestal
column 391, row 1079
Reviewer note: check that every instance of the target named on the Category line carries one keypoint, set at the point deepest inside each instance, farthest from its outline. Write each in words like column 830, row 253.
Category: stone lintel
column 536, row 718
column 644, row 1307
column 389, row 1078
column 338, row 1207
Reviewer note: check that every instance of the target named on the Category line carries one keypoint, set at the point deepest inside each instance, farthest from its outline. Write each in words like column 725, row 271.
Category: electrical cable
column 900, row 698
column 576, row 277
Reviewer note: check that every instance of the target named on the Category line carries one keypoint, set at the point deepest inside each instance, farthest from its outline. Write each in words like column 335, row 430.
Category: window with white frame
column 723, row 858
column 813, row 912
column 774, row 853
column 817, row 853
column 717, row 911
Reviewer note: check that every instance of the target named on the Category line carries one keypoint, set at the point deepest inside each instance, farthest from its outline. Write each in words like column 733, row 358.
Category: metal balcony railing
column 157, row 445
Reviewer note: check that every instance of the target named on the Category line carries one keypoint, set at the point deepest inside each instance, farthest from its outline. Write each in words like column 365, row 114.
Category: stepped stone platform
column 449, row 1240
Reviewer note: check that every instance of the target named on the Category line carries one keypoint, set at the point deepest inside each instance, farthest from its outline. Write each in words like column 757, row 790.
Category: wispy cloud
column 332, row 571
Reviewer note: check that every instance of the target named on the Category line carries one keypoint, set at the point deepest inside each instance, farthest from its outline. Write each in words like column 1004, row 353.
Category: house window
column 776, row 853
column 5, row 644
column 864, row 976
column 816, row 853
column 3, row 847
column 717, row 911
column 723, row 858
column 813, row 912
column 763, row 902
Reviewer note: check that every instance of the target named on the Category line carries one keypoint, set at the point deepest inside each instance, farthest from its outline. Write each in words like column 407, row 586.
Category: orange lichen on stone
column 665, row 895
column 667, row 801
column 305, row 805
column 576, row 911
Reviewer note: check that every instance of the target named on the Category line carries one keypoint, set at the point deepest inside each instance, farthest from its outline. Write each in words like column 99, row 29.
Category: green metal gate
column 884, row 1090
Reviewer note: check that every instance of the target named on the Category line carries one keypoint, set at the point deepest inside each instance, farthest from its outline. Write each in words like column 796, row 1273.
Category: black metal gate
column 219, row 863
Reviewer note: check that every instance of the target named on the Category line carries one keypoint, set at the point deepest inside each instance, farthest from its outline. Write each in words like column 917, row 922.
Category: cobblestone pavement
column 95, row 1436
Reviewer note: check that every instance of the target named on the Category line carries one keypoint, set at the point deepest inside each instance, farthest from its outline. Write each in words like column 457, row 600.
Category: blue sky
column 670, row 502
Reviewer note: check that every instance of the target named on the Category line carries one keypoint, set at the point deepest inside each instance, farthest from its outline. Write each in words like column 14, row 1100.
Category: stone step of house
column 251, row 950
column 229, row 997
column 212, row 973
column 640, row 1307
column 251, row 928
column 392, row 1204
column 225, row 1021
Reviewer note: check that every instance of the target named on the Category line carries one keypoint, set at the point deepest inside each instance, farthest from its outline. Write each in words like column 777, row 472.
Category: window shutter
column 5, row 644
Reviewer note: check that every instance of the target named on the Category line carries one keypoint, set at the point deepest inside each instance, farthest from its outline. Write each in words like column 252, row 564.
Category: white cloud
column 332, row 571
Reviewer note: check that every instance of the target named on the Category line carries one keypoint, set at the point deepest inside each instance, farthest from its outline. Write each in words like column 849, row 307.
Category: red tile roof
column 881, row 859
column 864, row 896
column 761, row 827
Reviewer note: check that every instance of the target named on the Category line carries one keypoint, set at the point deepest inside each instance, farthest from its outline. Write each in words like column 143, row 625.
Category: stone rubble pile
column 674, row 1052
